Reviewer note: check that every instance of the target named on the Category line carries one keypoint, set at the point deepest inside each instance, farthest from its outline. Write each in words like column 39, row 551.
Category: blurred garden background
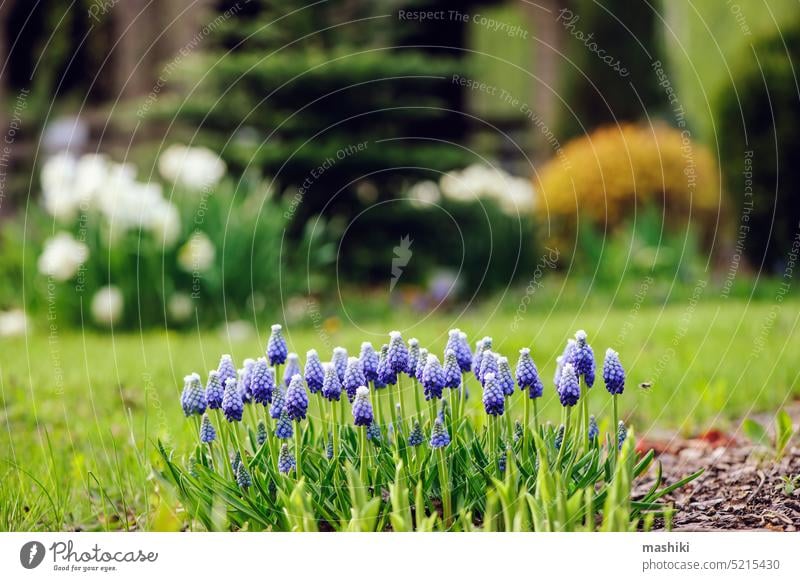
column 177, row 175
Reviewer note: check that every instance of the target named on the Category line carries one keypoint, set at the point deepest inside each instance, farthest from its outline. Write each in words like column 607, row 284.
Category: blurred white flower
column 58, row 175
column 197, row 254
column 515, row 195
column 107, row 304
column 165, row 224
column 62, row 256
column 237, row 331
column 195, row 168
column 180, row 307
column 13, row 322
column 424, row 194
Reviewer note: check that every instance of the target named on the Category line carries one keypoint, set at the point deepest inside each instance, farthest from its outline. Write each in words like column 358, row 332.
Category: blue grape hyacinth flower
column 296, row 399
column 362, row 408
column 193, row 398
column 493, row 397
column 369, row 361
column 569, row 390
column 439, row 436
column 278, row 402
column 416, row 437
column 243, row 477
column 374, row 432
column 622, row 434
column 292, row 368
column 504, row 377
column 457, row 343
column 283, row 427
column 386, row 375
column 353, row 377
column 397, row 355
column 331, row 386
column 559, row 439
column 422, row 360
column 214, row 390
column 481, row 348
column 413, row 356
column 286, row 460
column 613, row 373
column 593, row 429
column 452, row 371
column 488, row 364
column 313, row 372
column 262, row 381
column 232, row 405
column 528, row 375
column 245, row 380
column 583, row 359
column 226, row 369
column 433, row 378
column 276, row 347
column 261, row 433
column 566, row 357
column 339, row 361
column 207, row 432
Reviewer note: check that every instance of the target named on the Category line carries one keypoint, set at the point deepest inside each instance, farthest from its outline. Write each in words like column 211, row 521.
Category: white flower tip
column 230, row 383
column 276, row 328
column 525, row 351
column 462, row 335
column 366, row 345
column 502, row 360
column 568, row 368
column 311, row 353
column 339, row 350
column 326, row 366
column 293, row 356
column 611, row 353
column 413, row 341
column 296, row 378
column 362, row 391
column 395, row 334
column 454, row 332
column 191, row 377
column 449, row 353
column 352, row 360
column 580, row 335
column 488, row 377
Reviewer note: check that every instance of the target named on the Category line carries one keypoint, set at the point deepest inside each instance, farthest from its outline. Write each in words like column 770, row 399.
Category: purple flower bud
column 397, row 355
column 296, row 399
column 583, row 359
column 528, row 375
column 566, row 357
column 374, row 432
column 286, row 460
column 416, row 437
column 488, row 365
column 504, row 377
column 245, row 380
column 314, row 374
column 452, row 371
column 278, row 402
column 353, row 377
column 276, row 347
column 214, row 390
column 232, row 405
column 193, row 399
column 622, row 434
column 207, row 432
column 439, row 436
column 433, row 378
column 493, row 397
column 386, row 376
column 283, row 426
column 569, row 391
column 243, row 477
column 362, row 408
column 369, row 361
column 593, row 429
column 226, row 369
column 421, row 362
column 339, row 361
column 413, row 356
column 262, row 381
column 613, row 373
column 292, row 368
column 331, row 386
column 457, row 342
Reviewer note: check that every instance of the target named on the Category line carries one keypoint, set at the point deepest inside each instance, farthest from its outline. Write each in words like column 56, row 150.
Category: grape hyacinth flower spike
column 413, row 356
column 622, row 434
column 276, row 347
column 452, row 371
column 416, row 437
column 374, row 432
column 369, row 361
column 528, row 375
column 421, row 361
column 433, row 378
column 331, row 386
column 261, row 433
column 504, row 376
column 283, row 427
column 262, row 382
column 313, row 372
column 353, row 377
column 278, row 402
column 477, row 363
column 193, row 398
column 214, row 391
column 386, row 376
column 476, row 357
column 296, row 399
column 339, row 361
column 243, row 478
column 439, row 436
column 569, row 391
column 583, row 361
column 292, row 368
column 457, row 343
column 246, row 380
column 488, row 365
column 397, row 354
column 285, row 460
column 232, row 405
column 207, row 432
column 593, row 429
column 226, row 369
column 493, row 397
column 614, row 378
column 362, row 407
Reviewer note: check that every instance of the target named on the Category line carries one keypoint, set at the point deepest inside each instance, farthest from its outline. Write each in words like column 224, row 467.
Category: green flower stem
column 297, row 439
column 509, row 421
column 536, row 415
column 566, row 437
column 378, row 405
column 614, row 428
column 399, row 395
column 390, row 395
column 432, row 410
column 335, row 433
column 526, row 412
column 461, row 393
column 223, row 433
column 362, row 444
column 444, row 484
column 342, row 410
column 417, row 403
column 585, row 413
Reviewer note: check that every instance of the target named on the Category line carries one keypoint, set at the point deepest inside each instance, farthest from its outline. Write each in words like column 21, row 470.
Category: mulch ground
column 741, row 488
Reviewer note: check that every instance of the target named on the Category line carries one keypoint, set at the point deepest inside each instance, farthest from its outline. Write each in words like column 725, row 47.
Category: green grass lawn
column 80, row 412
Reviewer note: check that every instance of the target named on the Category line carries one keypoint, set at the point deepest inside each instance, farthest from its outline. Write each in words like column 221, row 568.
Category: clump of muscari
column 260, row 451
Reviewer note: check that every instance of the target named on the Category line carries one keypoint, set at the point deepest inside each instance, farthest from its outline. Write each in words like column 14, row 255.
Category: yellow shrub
column 604, row 176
